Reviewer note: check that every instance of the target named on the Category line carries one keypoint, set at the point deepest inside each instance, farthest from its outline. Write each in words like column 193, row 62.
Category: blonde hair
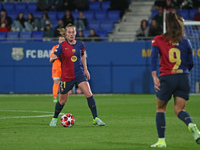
column 62, row 31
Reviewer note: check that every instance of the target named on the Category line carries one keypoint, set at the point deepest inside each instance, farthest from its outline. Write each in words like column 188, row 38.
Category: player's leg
column 56, row 82
column 160, row 123
column 179, row 108
column 65, row 87
column 85, row 87
column 58, row 108
column 56, row 74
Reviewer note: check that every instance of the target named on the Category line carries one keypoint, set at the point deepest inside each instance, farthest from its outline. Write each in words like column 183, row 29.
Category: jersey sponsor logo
column 73, row 58
column 73, row 50
column 17, row 53
column 66, row 48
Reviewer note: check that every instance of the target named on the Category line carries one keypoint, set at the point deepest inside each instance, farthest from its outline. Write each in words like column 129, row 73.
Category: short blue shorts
column 177, row 85
column 65, row 87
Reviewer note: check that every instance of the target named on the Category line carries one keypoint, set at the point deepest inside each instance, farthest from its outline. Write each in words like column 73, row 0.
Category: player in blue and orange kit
column 176, row 61
column 74, row 72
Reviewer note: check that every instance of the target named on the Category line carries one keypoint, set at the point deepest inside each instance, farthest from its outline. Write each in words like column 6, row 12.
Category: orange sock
column 55, row 90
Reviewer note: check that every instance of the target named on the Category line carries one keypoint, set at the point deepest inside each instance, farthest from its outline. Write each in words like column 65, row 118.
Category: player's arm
column 53, row 58
column 84, row 62
column 56, row 54
column 154, row 59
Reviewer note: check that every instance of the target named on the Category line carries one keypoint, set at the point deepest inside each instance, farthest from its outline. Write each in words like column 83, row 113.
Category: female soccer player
column 56, row 70
column 176, row 61
column 74, row 72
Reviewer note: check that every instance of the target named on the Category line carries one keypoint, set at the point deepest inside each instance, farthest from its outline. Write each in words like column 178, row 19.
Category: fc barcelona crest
column 73, row 50
column 17, row 53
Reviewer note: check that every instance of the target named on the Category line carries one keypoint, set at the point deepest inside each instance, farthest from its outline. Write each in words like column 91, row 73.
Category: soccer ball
column 67, row 120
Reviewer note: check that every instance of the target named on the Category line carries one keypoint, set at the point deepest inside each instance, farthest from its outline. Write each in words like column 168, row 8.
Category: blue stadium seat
column 37, row 36
column 107, row 26
column 9, row 6
column 13, row 15
column 13, row 36
column 153, row 13
column 89, row 15
column 52, row 15
column 184, row 13
column 113, row 15
column 21, row 6
column 95, row 25
column 60, row 14
column 96, row 5
column 105, row 5
column 102, row 34
column 192, row 12
column 38, row 14
column 75, row 14
column 3, row 36
column 32, row 6
column 86, row 33
column 101, row 15
column 54, row 24
column 25, row 36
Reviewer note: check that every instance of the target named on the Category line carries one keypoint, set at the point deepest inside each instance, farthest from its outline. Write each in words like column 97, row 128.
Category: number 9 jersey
column 174, row 57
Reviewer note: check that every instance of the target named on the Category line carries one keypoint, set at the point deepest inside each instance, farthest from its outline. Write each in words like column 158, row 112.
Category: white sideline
column 39, row 116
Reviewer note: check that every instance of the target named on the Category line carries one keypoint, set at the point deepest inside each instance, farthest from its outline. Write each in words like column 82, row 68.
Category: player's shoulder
column 157, row 39
column 55, row 46
column 81, row 43
column 185, row 39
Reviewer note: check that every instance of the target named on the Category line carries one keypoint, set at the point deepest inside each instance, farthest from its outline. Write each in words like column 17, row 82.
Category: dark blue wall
column 114, row 67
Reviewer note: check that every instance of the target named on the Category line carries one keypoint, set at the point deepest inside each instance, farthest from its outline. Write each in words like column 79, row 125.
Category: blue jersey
column 70, row 56
column 174, row 57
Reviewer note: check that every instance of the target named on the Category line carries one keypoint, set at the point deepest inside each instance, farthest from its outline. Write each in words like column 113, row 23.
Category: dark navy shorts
column 65, row 87
column 177, row 85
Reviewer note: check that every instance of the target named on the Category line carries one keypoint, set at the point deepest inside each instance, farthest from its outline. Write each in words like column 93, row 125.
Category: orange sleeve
column 53, row 50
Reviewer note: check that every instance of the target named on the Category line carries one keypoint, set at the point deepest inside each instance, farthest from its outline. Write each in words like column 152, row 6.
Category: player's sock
column 55, row 90
column 160, row 124
column 58, row 109
column 185, row 117
column 92, row 106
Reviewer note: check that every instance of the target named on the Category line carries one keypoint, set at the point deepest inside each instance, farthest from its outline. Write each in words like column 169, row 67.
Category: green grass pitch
column 129, row 118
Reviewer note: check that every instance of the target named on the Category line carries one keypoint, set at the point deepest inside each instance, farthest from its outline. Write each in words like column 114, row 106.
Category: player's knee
column 177, row 110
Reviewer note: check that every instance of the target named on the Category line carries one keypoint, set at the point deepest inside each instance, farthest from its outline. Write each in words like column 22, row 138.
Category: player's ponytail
column 174, row 27
column 62, row 31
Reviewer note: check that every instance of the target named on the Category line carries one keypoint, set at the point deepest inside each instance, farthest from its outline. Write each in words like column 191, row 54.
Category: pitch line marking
column 40, row 116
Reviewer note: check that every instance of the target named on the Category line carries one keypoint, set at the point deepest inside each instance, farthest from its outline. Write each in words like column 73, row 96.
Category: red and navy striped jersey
column 70, row 56
column 174, row 57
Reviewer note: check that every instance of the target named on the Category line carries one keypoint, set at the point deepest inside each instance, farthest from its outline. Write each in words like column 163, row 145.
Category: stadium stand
column 101, row 15
column 37, row 36
column 3, row 36
column 97, row 13
column 105, row 5
column 12, row 36
column 25, row 36
column 96, row 6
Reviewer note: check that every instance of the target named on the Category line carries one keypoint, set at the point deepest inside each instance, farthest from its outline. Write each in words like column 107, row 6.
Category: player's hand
column 87, row 74
column 53, row 58
column 156, row 83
